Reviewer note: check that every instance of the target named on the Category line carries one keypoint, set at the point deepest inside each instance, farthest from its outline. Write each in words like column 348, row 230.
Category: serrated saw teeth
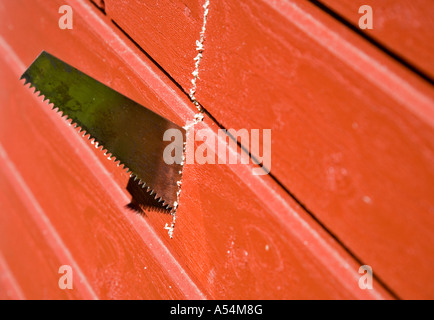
column 110, row 157
column 124, row 129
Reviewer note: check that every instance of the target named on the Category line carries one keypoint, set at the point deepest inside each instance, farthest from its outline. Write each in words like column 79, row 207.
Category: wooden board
column 232, row 228
column 30, row 258
column 352, row 130
column 72, row 209
column 356, row 124
column 166, row 30
column 404, row 27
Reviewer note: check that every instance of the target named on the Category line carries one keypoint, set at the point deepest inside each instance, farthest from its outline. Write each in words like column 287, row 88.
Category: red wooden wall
column 352, row 152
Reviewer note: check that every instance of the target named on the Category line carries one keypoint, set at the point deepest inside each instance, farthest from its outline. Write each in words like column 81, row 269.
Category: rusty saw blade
column 128, row 131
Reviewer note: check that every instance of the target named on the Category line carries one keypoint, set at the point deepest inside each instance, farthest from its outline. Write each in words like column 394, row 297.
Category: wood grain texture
column 236, row 236
column 112, row 258
column 71, row 205
column 30, row 257
column 9, row 288
column 167, row 30
column 352, row 131
column 405, row 27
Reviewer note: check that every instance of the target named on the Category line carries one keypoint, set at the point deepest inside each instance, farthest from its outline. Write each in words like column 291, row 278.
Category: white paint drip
column 198, row 117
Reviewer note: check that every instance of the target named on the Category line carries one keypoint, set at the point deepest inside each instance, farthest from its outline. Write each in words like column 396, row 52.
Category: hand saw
column 131, row 133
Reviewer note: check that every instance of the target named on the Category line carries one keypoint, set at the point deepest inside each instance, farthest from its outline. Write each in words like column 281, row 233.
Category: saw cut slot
column 143, row 200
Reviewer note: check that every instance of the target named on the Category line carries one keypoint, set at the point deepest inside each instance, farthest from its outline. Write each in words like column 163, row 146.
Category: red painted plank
column 405, row 27
column 161, row 254
column 86, row 221
column 352, row 134
column 167, row 30
column 32, row 263
column 9, row 288
column 245, row 227
column 268, row 196
column 232, row 227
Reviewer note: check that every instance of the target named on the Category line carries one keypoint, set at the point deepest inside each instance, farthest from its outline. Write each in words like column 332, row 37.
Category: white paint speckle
column 367, row 199
column 197, row 117
column 199, row 48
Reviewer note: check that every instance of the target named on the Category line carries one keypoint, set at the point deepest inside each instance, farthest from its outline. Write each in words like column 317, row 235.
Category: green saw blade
column 128, row 131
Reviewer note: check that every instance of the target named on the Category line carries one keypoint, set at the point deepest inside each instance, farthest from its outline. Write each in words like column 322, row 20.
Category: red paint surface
column 405, row 27
column 223, row 225
column 352, row 134
column 356, row 125
column 167, row 30
column 227, row 217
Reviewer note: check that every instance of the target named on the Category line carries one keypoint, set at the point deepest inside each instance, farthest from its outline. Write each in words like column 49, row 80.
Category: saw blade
column 131, row 133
